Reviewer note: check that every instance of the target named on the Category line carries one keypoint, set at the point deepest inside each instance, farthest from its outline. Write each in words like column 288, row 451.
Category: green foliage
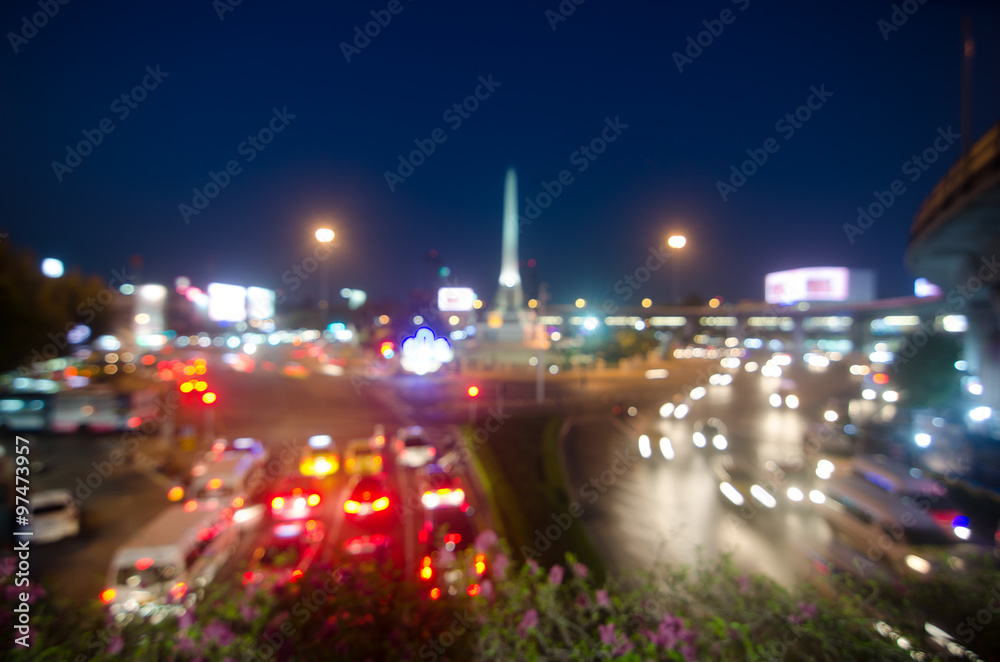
column 35, row 306
column 709, row 612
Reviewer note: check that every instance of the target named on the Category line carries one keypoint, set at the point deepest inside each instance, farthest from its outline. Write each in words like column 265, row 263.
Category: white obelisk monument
column 510, row 297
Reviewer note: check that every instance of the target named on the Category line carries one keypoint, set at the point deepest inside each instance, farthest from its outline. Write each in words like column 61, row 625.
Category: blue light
column 961, row 520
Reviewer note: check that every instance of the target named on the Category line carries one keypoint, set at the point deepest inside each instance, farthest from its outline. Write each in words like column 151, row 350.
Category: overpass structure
column 955, row 243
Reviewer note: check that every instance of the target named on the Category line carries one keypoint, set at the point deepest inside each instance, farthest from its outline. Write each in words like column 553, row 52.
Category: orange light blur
column 143, row 563
column 215, row 483
column 296, row 576
column 473, row 590
column 380, row 504
column 880, row 378
column 351, row 506
column 277, row 503
column 191, row 506
column 473, row 391
column 200, row 386
column 435, row 593
column 148, row 359
column 175, row 493
column 426, row 572
column 189, row 370
column 480, row 564
column 209, row 398
column 313, row 500
column 238, row 502
column 107, row 595
column 187, row 387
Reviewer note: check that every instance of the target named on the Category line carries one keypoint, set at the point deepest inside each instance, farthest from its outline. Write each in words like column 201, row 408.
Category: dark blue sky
column 556, row 89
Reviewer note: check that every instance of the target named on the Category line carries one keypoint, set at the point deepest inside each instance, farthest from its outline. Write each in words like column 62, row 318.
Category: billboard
column 809, row 284
column 456, row 299
column 150, row 300
column 227, row 303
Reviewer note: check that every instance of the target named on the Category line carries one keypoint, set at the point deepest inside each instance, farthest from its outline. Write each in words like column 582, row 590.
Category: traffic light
column 473, row 391
column 387, row 349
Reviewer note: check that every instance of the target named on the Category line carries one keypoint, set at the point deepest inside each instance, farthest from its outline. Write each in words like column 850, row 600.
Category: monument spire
column 509, row 295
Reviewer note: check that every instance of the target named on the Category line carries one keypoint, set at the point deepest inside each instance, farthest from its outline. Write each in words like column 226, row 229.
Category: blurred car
column 225, row 448
column 320, row 457
column 295, row 497
column 830, row 438
column 785, row 395
column 915, row 490
column 54, row 516
column 413, row 447
column 449, row 564
column 361, row 459
column 741, row 485
column 378, row 437
column 906, row 538
column 286, row 557
column 790, row 482
column 439, row 488
column 368, row 498
column 710, row 433
column 366, row 553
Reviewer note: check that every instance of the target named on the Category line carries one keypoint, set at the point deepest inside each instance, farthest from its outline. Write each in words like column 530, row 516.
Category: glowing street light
column 324, row 235
column 676, row 242
column 52, row 267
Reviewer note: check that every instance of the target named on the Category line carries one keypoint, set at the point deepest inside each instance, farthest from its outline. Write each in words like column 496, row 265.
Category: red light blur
column 473, row 590
column 880, row 378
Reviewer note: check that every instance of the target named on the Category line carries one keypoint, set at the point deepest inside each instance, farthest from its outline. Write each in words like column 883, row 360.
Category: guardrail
column 982, row 160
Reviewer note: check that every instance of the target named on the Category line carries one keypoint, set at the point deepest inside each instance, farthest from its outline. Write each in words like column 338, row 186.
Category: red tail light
column 380, row 503
column 426, row 571
column 480, row 564
column 473, row 590
column 351, row 506
column 313, row 500
column 296, row 576
column 107, row 595
column 247, row 577
column 277, row 503
column 435, row 593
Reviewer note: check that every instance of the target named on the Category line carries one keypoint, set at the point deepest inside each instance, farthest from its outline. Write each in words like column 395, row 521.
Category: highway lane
column 658, row 510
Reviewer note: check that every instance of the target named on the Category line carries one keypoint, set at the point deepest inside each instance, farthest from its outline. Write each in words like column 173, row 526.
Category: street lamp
column 324, row 236
column 676, row 242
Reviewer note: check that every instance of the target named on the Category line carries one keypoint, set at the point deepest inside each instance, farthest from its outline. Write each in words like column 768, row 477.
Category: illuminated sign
column 227, row 303
column 423, row 352
column 809, row 284
column 260, row 303
column 924, row 288
column 456, row 299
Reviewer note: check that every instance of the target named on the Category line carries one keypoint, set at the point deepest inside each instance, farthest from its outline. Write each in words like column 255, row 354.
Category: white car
column 414, row 448
column 54, row 516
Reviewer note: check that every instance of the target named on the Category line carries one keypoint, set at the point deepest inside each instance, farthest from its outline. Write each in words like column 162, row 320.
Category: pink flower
column 580, row 570
column 807, row 611
column 744, row 582
column 529, row 621
column 487, row 589
column 602, row 598
column 186, row 619
column 115, row 646
column 533, row 566
column 500, row 564
column 607, row 633
column 486, row 539
column 220, row 632
column 556, row 574
column 582, row 600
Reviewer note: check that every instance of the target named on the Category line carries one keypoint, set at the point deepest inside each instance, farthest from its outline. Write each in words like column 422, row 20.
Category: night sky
column 886, row 93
